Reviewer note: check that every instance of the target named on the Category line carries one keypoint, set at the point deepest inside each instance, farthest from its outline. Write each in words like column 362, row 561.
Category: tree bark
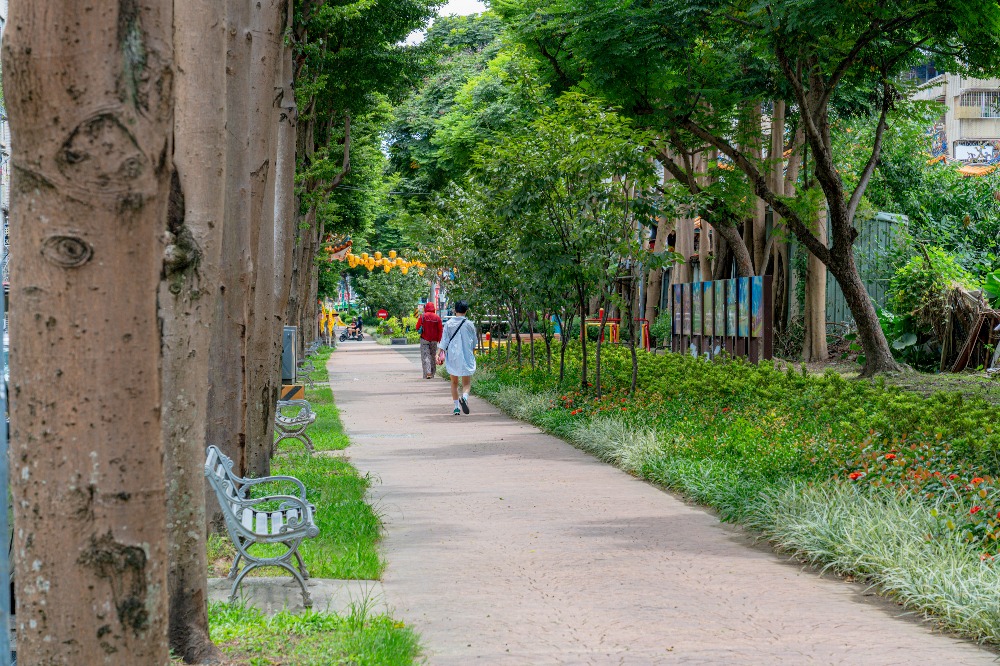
column 266, row 22
column 285, row 202
column 187, row 311
column 815, row 348
column 88, row 85
column 227, row 361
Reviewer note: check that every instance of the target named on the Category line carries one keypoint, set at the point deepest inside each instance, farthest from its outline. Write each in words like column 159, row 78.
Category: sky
column 460, row 7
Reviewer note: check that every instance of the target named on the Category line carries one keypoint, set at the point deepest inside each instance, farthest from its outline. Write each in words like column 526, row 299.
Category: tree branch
column 866, row 173
column 759, row 185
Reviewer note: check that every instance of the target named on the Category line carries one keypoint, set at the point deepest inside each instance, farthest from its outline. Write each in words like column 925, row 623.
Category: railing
column 979, row 104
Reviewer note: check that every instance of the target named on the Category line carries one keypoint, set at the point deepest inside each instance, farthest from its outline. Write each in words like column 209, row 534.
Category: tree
column 187, row 313
column 709, row 61
column 92, row 178
column 398, row 294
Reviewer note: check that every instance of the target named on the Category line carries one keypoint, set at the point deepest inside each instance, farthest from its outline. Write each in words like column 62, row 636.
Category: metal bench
column 303, row 374
column 293, row 426
column 280, row 519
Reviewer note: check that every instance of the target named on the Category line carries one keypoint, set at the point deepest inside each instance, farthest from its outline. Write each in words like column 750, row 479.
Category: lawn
column 869, row 479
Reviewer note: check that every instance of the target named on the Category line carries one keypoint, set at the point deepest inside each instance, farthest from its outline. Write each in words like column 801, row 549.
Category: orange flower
column 977, row 480
column 890, row 456
column 854, row 476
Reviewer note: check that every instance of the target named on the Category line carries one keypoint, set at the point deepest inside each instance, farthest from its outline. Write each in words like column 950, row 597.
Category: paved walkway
column 507, row 546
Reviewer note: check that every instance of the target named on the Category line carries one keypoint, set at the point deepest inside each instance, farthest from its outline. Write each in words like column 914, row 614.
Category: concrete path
column 508, row 546
column 273, row 595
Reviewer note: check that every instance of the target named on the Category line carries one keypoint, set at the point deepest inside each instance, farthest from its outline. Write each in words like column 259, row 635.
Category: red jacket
column 432, row 327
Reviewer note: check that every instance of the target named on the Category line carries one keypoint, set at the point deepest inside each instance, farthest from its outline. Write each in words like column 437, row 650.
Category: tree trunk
column 88, row 85
column 531, row 333
column 266, row 21
column 814, row 348
column 654, row 281
column 600, row 343
column 285, row 202
column 187, row 312
column 583, row 336
column 227, row 361
column 878, row 356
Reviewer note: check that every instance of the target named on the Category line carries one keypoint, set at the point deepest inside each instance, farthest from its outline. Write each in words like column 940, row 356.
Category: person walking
column 430, row 327
column 458, row 343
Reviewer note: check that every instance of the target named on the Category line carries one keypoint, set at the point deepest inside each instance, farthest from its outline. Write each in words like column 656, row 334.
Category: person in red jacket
column 430, row 327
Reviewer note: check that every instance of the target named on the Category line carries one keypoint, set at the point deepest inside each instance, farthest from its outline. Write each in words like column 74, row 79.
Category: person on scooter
column 354, row 328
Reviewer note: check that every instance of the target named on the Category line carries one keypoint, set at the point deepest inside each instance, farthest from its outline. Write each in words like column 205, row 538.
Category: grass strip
column 345, row 548
column 311, row 639
column 350, row 529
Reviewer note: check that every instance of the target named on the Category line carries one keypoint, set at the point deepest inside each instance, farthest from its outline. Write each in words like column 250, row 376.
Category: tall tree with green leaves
column 818, row 56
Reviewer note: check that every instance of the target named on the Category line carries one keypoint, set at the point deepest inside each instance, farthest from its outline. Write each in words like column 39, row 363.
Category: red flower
column 976, row 509
column 854, row 476
column 725, row 409
column 890, row 456
column 952, row 477
column 977, row 480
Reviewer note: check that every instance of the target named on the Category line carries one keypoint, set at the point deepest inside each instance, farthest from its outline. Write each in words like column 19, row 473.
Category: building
column 969, row 130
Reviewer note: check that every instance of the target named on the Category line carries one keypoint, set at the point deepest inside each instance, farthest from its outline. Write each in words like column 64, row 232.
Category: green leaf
column 904, row 341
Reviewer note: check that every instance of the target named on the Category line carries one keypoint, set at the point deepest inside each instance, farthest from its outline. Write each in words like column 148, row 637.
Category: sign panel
column 720, row 307
column 696, row 310
column 383, row 314
column 687, row 310
column 731, row 308
column 708, row 296
column 744, row 307
column 678, row 309
column 757, row 307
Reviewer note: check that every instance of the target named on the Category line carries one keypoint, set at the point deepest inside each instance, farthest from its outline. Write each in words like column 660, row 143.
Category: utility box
column 288, row 360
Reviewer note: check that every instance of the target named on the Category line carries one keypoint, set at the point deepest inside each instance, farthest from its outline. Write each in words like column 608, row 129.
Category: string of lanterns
column 342, row 252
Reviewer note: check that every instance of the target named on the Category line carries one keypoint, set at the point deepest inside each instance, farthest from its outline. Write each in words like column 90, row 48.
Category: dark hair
column 461, row 307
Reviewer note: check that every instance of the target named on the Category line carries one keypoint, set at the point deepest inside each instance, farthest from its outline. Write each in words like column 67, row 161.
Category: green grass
column 247, row 636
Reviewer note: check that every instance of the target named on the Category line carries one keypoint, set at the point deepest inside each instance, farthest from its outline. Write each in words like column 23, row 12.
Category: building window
column 987, row 102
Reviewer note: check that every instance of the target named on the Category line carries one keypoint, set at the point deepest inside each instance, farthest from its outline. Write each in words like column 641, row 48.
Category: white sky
column 460, row 7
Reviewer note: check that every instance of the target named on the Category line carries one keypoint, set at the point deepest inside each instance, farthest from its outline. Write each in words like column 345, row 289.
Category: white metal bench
column 283, row 519
column 303, row 374
column 289, row 425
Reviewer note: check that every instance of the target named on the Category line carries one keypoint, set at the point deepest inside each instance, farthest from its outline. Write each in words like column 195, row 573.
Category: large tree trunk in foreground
column 188, row 299
column 92, row 160
column 226, row 394
column 267, row 21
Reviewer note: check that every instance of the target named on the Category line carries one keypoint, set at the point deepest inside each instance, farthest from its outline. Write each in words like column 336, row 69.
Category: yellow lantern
column 392, row 254
column 405, row 270
column 378, row 255
column 364, row 255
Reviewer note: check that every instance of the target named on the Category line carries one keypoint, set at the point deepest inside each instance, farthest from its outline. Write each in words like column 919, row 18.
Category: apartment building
column 969, row 130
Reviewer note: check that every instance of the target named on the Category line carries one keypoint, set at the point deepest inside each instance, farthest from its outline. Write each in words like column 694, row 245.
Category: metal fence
column 872, row 251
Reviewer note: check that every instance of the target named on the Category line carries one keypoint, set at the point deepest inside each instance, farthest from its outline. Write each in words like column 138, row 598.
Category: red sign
column 382, row 314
